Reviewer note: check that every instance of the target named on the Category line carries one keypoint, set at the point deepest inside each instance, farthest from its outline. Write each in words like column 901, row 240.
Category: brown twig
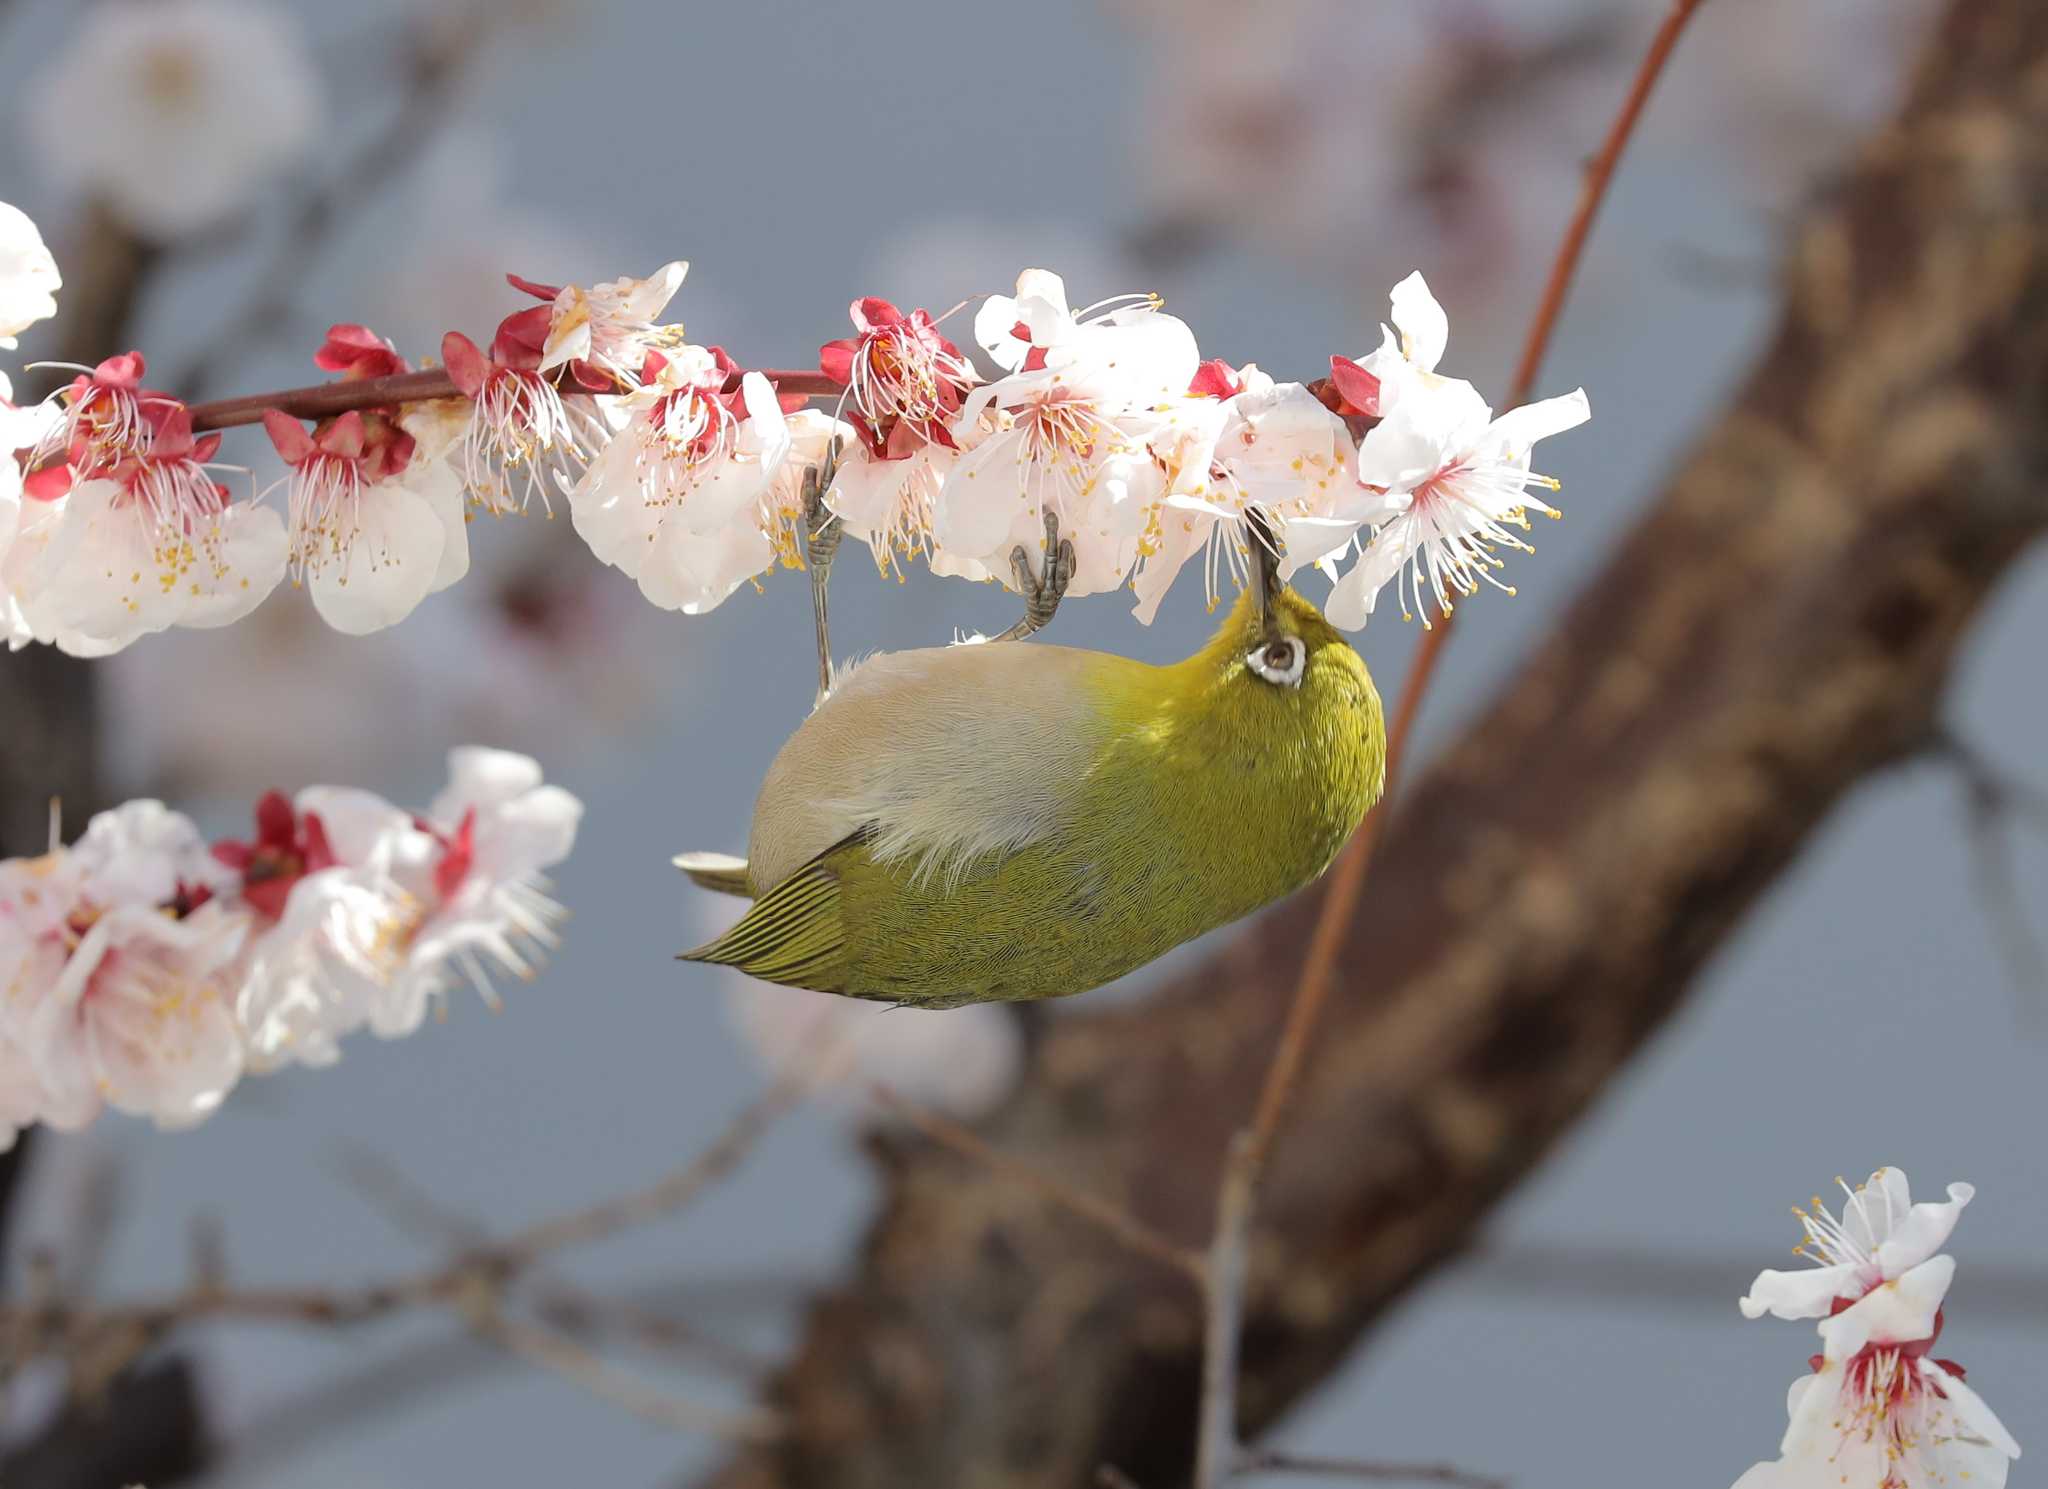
column 1348, row 878
column 563, row 1356
column 1110, row 1217
column 1261, row 1460
column 54, row 1326
column 325, row 400
column 1237, row 1192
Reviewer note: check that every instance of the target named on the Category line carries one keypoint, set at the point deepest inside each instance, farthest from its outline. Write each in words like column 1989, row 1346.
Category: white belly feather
column 946, row 753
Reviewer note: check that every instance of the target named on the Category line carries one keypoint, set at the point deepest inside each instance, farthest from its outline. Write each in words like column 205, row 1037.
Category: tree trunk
column 1776, row 629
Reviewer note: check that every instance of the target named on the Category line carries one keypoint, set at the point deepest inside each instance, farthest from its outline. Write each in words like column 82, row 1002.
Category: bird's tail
column 717, row 871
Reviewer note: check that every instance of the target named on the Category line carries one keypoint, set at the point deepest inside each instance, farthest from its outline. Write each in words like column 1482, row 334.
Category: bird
column 1015, row 821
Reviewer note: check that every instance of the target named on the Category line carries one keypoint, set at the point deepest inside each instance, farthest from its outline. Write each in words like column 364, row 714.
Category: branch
column 1994, row 799
column 325, row 400
column 109, row 1337
column 1580, row 850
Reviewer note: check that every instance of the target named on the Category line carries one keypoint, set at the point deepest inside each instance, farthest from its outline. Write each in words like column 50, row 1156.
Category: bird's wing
column 793, row 934
column 718, row 871
column 943, row 756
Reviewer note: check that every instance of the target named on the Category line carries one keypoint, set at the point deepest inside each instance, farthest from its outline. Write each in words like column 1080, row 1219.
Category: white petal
column 244, row 561
column 1515, row 432
column 482, row 777
column 1919, row 1231
column 1425, row 329
column 1897, row 1312
column 533, row 833
column 1971, row 1411
column 1807, row 1293
column 389, row 567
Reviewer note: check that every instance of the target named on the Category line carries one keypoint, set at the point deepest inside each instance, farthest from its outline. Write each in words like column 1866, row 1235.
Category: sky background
column 798, row 156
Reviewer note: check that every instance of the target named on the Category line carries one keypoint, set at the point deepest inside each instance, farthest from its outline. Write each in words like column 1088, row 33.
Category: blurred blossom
column 1878, row 1410
column 442, row 267
column 175, row 113
column 961, row 1062
column 29, row 281
column 144, row 970
column 540, row 648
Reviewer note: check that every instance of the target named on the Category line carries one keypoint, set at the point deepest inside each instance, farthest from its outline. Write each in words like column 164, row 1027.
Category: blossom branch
column 326, row 400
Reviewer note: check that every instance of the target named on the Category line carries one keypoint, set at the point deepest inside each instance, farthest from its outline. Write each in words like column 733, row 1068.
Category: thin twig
column 1993, row 799
column 1098, row 1211
column 1245, row 1163
column 1266, row 1460
column 562, row 1305
column 592, row 1372
column 1216, row 1450
column 1348, row 878
column 54, row 1326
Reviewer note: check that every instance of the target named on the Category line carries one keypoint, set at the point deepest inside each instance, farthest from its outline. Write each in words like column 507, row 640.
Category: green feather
column 1212, row 792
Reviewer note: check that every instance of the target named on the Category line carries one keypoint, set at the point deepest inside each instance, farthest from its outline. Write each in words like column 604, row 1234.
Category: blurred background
column 1272, row 170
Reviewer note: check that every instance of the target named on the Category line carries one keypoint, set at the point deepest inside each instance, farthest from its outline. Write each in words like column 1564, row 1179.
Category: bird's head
column 1278, row 653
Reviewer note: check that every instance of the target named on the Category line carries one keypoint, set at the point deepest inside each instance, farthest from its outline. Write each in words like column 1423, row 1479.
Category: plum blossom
column 152, row 542
column 1441, row 482
column 1066, row 431
column 609, row 327
column 1878, row 1410
column 141, row 970
column 329, row 916
column 29, row 280
column 175, row 113
column 375, row 522
column 475, row 873
column 905, row 384
column 113, row 961
column 524, row 435
column 1238, row 441
column 681, row 497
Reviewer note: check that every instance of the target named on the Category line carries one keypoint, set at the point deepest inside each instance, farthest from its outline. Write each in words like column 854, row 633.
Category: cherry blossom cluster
column 145, row 969
column 689, row 473
column 1877, row 1410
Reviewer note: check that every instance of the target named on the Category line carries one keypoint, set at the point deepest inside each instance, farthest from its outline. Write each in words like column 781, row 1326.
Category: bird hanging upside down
column 968, row 824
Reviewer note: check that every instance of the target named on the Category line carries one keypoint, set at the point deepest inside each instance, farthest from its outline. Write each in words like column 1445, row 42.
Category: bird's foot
column 1042, row 591
column 822, row 533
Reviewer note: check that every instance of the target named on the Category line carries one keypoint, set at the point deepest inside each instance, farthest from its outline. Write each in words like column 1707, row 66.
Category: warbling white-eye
column 1007, row 821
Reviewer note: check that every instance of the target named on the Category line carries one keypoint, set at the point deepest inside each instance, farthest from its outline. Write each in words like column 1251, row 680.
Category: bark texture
column 1777, row 628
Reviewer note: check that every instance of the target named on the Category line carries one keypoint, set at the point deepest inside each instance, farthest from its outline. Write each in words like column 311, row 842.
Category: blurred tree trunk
column 1776, row 629
column 149, row 1427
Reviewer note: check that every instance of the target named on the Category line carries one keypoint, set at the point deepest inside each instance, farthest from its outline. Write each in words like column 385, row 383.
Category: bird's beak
column 1265, row 567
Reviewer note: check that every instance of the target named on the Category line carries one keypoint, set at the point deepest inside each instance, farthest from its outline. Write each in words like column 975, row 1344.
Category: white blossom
column 175, row 113
column 1067, row 431
column 376, row 521
column 1878, row 1410
column 611, row 326
column 1442, row 484
column 29, row 280
column 681, row 499
column 1251, row 442
column 476, row 876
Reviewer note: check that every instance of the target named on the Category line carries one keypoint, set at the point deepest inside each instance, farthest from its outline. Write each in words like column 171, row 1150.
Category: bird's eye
column 1278, row 661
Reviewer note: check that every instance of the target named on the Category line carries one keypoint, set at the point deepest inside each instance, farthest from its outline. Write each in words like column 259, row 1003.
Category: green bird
column 1010, row 821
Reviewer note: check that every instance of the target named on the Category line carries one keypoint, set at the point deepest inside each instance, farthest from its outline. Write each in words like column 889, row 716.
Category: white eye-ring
column 1279, row 661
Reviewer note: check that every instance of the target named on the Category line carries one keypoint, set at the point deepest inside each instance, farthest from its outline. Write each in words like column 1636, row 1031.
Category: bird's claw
column 1042, row 592
column 822, row 532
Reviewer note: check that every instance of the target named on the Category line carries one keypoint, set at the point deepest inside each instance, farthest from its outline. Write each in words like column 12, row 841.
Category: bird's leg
column 822, row 533
column 1042, row 592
